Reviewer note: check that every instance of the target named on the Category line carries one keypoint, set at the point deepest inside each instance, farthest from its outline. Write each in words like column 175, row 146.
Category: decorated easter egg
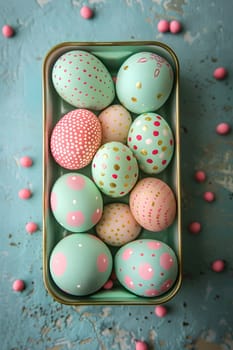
column 146, row 267
column 82, row 80
column 153, row 204
column 80, row 264
column 144, row 82
column 75, row 139
column 114, row 169
column 151, row 140
column 115, row 121
column 117, row 225
column 76, row 202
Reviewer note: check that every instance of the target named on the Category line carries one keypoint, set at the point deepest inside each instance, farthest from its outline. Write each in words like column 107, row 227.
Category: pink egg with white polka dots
column 83, row 81
column 75, row 139
column 153, row 204
column 146, row 267
column 80, row 264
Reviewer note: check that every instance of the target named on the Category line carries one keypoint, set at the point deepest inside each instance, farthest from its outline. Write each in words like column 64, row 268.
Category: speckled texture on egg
column 115, row 121
column 75, row 139
column 153, row 204
column 80, row 264
column 151, row 140
column 117, row 225
column 76, row 202
column 144, row 82
column 82, row 80
column 146, row 267
column 114, row 169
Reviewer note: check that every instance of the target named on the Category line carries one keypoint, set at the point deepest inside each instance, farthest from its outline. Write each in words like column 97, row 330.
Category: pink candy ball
column 25, row 162
column 31, row 227
column 175, row 27
column 218, row 265
column 223, row 128
column 163, row 26
column 86, row 12
column 160, row 311
column 25, row 193
column 200, row 176
column 194, row 227
column 209, row 196
column 220, row 73
column 7, row 31
column 18, row 285
column 140, row 345
column 108, row 284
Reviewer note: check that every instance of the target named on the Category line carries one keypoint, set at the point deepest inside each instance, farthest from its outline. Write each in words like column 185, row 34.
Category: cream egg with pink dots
column 76, row 202
column 146, row 267
column 69, row 257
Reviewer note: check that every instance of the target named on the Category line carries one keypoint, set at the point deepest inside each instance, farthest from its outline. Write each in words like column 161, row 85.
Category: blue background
column 200, row 316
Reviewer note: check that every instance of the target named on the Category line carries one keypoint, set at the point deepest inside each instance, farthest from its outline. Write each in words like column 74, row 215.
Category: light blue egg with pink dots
column 80, row 264
column 146, row 267
column 76, row 202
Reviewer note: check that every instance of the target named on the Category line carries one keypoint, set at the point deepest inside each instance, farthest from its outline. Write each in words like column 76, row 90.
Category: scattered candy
column 160, row 311
column 86, row 12
column 194, row 227
column 220, row 73
column 7, row 31
column 175, row 27
column 31, row 227
column 218, row 265
column 223, row 128
column 163, row 26
column 18, row 285
column 26, row 162
column 108, row 284
column 200, row 176
column 25, row 193
column 209, row 196
column 140, row 345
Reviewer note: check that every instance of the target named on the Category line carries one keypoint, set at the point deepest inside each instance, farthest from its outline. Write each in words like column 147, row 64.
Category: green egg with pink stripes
column 76, row 202
column 80, row 264
column 82, row 80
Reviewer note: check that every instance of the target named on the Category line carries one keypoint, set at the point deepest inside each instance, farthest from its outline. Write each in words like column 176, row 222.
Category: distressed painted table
column 200, row 316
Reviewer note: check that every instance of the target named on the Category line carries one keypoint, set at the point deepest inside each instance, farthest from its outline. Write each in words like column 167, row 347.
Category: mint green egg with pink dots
column 82, row 80
column 76, row 202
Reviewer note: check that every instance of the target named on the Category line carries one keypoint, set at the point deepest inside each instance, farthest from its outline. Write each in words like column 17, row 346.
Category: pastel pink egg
column 223, row 128
column 163, row 26
column 141, row 345
column 200, row 176
column 160, row 311
column 220, row 73
column 218, row 265
column 175, row 27
column 18, row 285
column 26, row 162
column 25, row 193
column 194, row 227
column 7, row 31
column 75, row 139
column 31, row 227
column 153, row 204
column 86, row 12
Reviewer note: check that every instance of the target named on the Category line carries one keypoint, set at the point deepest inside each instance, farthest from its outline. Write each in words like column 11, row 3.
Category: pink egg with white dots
column 75, row 139
column 76, row 202
column 146, row 267
column 153, row 204
column 80, row 264
column 82, row 80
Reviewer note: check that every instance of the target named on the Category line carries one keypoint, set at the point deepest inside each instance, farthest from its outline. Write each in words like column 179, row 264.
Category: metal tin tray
column 112, row 54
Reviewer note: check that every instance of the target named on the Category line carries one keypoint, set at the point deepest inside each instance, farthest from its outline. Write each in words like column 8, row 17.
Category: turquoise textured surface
column 200, row 316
